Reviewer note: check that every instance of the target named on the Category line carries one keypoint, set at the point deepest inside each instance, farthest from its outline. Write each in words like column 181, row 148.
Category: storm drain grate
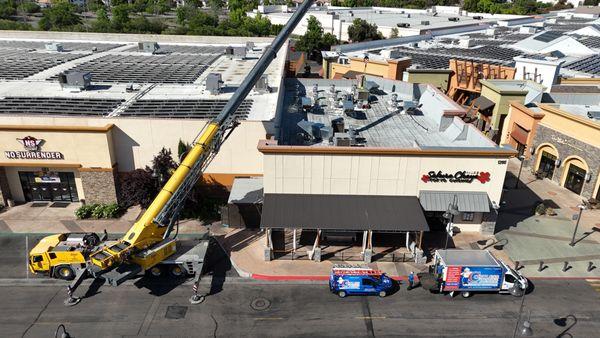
column 38, row 204
column 176, row 312
column 59, row 205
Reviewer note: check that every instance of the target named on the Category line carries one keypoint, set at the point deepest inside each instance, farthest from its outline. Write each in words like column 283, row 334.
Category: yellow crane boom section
column 145, row 232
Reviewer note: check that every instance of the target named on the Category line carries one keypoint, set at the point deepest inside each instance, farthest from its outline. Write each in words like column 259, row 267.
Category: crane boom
column 142, row 243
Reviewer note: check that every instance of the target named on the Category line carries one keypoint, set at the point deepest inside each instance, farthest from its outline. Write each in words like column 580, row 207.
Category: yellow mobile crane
column 148, row 242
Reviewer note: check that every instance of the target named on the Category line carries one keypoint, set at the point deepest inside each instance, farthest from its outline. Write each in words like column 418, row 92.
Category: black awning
column 483, row 103
column 343, row 212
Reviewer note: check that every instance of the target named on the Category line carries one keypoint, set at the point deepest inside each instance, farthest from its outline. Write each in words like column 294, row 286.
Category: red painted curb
column 398, row 278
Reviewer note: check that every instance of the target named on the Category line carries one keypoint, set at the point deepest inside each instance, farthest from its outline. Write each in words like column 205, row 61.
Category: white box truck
column 468, row 271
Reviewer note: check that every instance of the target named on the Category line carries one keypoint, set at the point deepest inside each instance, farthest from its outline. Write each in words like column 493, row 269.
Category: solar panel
column 548, row 36
column 590, row 65
column 58, row 106
column 18, row 64
column 203, row 108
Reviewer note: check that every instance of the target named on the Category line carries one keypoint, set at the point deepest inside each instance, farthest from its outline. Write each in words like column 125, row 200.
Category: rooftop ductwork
column 75, row 79
column 214, row 83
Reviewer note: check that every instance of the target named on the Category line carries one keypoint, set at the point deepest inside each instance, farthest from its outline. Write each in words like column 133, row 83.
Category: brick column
column 4, row 188
column 98, row 185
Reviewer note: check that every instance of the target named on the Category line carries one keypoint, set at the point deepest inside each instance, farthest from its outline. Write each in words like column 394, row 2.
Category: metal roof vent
column 595, row 115
column 148, row 47
column 75, row 79
column 213, row 83
column 54, row 47
column 262, row 85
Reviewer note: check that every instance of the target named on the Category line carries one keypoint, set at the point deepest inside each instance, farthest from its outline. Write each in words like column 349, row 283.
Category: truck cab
column 61, row 255
column 356, row 280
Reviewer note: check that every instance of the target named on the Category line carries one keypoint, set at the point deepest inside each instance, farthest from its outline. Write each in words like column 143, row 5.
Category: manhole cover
column 260, row 304
column 176, row 312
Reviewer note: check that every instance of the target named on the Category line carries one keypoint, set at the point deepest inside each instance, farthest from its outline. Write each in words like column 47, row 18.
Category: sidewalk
column 531, row 239
column 38, row 218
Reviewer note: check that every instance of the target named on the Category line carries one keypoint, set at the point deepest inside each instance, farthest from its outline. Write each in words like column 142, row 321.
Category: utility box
column 148, row 47
column 75, row 79
column 239, row 53
column 342, row 140
column 55, row 47
column 213, row 83
column 262, row 85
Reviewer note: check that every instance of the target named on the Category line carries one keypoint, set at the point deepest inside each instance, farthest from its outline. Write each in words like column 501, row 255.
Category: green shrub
column 540, row 209
column 98, row 211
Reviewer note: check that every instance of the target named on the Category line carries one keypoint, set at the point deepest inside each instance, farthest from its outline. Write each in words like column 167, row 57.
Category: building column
column 269, row 245
column 408, row 240
column 294, row 244
column 368, row 255
column 315, row 253
column 364, row 242
column 5, row 194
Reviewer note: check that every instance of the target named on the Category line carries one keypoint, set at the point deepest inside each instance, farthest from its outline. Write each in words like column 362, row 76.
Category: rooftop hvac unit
column 425, row 23
column 249, row 45
column 477, row 17
column 148, row 47
column 595, row 115
column 338, row 125
column 455, row 19
column 342, row 140
column 229, row 50
column 306, row 102
column 404, row 15
column 213, row 83
column 403, row 24
column 239, row 53
column 348, row 102
column 55, row 47
column 315, row 130
column 363, row 95
column 262, row 85
column 75, row 79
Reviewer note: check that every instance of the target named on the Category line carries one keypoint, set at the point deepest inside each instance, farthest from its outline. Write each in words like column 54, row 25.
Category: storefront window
column 468, row 216
column 575, row 179
column 547, row 164
column 48, row 186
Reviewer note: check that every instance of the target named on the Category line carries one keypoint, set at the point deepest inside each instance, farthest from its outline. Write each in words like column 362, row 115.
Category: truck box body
column 470, row 270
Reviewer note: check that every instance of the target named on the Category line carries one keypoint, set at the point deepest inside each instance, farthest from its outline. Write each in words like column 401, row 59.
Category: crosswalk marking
column 594, row 283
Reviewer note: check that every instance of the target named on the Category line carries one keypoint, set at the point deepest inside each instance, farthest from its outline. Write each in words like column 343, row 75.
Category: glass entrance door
column 39, row 186
column 547, row 164
column 575, row 179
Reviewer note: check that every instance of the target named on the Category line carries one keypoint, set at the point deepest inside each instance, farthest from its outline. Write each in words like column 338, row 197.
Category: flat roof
column 467, row 257
column 168, row 84
column 432, row 125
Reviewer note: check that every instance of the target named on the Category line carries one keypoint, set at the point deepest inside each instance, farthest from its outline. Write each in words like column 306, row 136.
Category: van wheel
column 382, row 294
column 177, row 271
column 64, row 272
column 342, row 294
column 465, row 294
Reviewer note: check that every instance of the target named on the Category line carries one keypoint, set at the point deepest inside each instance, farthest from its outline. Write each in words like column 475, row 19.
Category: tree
column 216, row 5
column 120, row 17
column 102, row 23
column 314, row 41
column 394, row 33
column 7, row 10
column 361, row 30
column 182, row 148
column 137, row 187
column 30, row 7
column 60, row 16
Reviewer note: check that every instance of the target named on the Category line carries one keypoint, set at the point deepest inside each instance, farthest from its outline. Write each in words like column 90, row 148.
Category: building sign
column 457, row 177
column 32, row 151
column 47, row 177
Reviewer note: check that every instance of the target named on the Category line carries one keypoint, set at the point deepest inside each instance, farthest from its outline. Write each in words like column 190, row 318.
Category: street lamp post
column 581, row 208
column 451, row 211
column 522, row 159
column 526, row 328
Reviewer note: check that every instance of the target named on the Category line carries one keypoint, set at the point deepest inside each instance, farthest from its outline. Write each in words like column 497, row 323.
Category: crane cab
column 61, row 255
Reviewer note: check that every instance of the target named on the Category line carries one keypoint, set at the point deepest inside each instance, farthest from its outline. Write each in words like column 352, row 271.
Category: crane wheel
column 155, row 271
column 177, row 271
column 64, row 272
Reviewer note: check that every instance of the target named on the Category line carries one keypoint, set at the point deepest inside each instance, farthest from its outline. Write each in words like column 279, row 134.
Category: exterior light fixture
column 588, row 176
column 557, row 162
column 532, row 150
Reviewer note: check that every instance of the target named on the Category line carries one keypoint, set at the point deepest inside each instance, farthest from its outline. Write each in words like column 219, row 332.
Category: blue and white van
column 356, row 280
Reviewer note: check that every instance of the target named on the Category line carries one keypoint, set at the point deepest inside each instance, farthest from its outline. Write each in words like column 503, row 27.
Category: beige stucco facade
column 375, row 174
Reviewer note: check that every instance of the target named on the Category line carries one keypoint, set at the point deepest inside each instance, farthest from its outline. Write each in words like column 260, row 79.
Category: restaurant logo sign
column 457, row 177
column 32, row 151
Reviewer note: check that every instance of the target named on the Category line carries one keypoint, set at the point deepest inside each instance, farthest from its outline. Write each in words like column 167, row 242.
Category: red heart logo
column 483, row 177
column 425, row 178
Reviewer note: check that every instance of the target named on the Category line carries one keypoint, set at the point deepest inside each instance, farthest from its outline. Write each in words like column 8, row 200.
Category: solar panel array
column 147, row 68
column 438, row 58
column 18, row 64
column 566, row 27
column 548, row 36
column 165, row 49
column 58, row 106
column 68, row 46
column 590, row 65
column 588, row 41
column 200, row 109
